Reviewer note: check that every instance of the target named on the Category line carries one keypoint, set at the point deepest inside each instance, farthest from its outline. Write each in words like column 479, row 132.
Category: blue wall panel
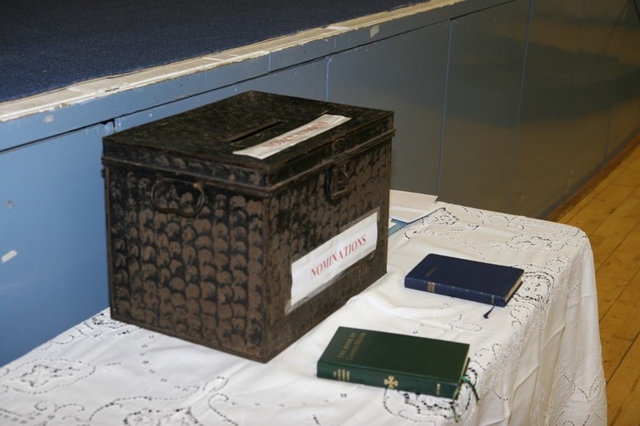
column 307, row 80
column 483, row 90
column 406, row 75
column 568, row 96
column 626, row 111
column 52, row 238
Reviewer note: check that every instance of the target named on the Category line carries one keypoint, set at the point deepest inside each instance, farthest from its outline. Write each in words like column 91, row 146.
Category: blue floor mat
column 50, row 44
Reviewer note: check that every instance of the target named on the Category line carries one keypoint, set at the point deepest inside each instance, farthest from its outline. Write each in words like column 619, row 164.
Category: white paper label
column 294, row 137
column 311, row 272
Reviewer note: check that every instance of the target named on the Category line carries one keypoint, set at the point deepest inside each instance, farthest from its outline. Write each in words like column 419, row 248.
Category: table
column 536, row 361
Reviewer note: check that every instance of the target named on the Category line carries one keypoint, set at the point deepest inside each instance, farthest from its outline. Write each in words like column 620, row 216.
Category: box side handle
column 166, row 197
column 338, row 182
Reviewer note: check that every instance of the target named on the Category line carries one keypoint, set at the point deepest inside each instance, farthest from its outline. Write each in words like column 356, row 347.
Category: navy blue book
column 466, row 279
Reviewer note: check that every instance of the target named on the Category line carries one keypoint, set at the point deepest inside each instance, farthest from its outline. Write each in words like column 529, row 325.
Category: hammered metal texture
column 197, row 278
column 223, row 277
column 209, row 261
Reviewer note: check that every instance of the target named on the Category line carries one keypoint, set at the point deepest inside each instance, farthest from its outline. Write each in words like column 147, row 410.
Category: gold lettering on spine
column 342, row 375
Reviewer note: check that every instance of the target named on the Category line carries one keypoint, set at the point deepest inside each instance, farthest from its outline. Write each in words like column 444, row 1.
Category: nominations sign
column 314, row 271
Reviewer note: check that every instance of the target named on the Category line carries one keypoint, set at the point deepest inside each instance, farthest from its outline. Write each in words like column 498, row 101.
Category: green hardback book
column 395, row 361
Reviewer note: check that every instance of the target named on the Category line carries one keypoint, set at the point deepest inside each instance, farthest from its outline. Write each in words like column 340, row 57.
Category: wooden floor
column 608, row 210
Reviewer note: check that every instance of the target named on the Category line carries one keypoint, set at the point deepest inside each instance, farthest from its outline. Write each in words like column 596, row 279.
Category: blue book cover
column 466, row 279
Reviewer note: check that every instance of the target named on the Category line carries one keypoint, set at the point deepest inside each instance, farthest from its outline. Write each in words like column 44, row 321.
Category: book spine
column 447, row 290
column 387, row 379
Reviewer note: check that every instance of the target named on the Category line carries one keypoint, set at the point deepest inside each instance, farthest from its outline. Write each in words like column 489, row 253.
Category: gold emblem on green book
column 391, row 382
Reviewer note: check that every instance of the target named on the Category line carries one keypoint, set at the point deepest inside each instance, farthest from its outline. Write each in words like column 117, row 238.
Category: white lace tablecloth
column 536, row 362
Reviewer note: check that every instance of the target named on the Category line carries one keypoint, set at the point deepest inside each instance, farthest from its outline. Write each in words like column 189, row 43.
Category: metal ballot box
column 242, row 224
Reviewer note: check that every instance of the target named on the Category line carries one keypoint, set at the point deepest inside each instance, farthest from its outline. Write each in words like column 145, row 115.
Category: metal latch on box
column 338, row 181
